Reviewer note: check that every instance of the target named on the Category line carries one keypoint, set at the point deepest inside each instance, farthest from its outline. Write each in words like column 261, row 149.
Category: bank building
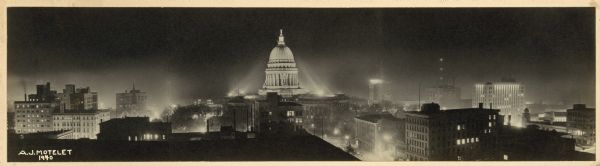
column 281, row 75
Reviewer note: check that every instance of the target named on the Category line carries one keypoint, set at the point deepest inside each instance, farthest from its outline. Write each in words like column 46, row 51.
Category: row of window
column 69, row 124
column 74, row 118
column 146, row 137
column 31, row 111
column 32, row 116
column 467, row 140
column 30, row 106
column 29, row 120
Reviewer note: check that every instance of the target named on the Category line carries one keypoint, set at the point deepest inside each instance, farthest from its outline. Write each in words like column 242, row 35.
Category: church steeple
column 280, row 41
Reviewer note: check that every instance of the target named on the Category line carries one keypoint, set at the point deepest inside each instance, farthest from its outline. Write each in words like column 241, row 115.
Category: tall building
column 581, row 123
column 455, row 134
column 77, row 99
column 281, row 73
column 507, row 95
column 35, row 113
column 445, row 93
column 375, row 91
column 131, row 103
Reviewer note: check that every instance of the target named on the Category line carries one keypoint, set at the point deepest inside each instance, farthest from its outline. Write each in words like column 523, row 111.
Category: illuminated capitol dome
column 281, row 73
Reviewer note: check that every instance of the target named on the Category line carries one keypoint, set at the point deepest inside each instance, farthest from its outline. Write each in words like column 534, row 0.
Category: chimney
column 207, row 125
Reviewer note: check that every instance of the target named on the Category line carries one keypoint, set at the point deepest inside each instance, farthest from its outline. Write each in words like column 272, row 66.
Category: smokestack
column 24, row 89
column 207, row 125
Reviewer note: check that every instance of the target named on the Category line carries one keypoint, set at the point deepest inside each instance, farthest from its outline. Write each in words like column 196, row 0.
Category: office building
column 35, row 113
column 131, row 103
column 381, row 135
column 451, row 135
column 581, row 123
column 508, row 96
column 81, row 123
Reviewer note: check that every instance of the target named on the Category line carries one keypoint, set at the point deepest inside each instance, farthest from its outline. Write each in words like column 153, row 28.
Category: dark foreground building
column 134, row 129
column 295, row 148
column 533, row 144
column 581, row 123
column 455, row 134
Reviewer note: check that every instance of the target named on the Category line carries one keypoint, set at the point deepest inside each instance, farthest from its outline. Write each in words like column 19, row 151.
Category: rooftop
column 375, row 117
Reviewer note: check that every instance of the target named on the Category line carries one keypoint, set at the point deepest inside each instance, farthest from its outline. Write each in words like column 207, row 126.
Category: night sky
column 178, row 54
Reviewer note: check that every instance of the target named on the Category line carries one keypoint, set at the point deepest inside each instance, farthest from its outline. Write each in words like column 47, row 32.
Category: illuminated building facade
column 33, row 116
column 450, row 135
column 35, row 113
column 581, row 122
column 131, row 103
column 81, row 123
column 281, row 75
column 375, row 91
column 134, row 129
column 508, row 96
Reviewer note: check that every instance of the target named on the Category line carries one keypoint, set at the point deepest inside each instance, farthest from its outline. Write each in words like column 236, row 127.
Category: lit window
column 462, row 141
column 457, row 127
column 290, row 113
column 472, row 139
column 505, row 157
column 458, row 142
column 128, row 138
column 477, row 139
column 490, row 124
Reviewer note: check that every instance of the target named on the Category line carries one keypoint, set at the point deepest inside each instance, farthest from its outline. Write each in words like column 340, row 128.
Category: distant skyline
column 179, row 54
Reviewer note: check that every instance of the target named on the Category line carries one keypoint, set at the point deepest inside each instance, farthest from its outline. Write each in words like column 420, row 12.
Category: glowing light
column 347, row 137
column 336, row 131
column 375, row 81
column 387, row 137
column 319, row 92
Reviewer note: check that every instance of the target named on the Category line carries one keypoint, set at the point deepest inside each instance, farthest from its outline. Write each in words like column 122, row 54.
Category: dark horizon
column 179, row 54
